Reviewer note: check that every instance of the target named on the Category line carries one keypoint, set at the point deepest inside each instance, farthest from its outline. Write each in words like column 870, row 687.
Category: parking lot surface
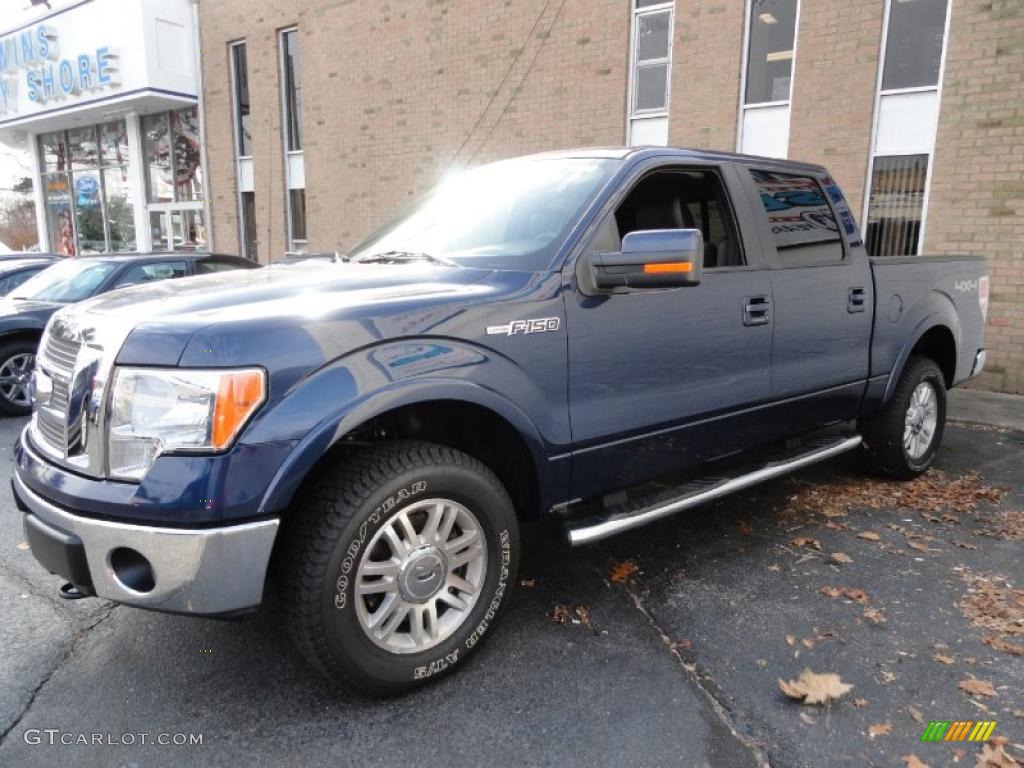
column 663, row 647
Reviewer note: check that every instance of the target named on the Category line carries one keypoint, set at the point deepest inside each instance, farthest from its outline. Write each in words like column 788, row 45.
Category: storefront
column 103, row 94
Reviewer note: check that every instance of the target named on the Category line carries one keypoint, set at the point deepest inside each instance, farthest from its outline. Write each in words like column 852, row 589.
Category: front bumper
column 207, row 571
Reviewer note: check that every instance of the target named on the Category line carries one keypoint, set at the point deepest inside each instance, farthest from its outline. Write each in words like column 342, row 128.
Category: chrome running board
column 628, row 515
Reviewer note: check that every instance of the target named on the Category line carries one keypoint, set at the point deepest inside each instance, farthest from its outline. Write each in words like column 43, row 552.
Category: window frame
column 236, row 122
column 768, row 244
column 632, row 114
column 879, row 94
column 292, row 244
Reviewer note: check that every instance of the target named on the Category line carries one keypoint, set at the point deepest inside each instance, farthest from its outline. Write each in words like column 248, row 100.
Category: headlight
column 153, row 411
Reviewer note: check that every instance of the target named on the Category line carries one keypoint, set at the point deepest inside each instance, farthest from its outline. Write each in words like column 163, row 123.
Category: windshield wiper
column 402, row 257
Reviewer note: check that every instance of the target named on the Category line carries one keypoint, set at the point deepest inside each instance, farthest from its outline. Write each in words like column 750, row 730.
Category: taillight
column 983, row 296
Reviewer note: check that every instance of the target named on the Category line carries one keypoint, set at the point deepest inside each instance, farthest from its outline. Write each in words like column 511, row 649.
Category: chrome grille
column 51, row 428
column 57, row 357
column 61, row 354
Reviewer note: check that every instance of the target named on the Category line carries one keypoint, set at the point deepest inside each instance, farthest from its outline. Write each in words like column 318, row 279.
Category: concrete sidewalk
column 975, row 406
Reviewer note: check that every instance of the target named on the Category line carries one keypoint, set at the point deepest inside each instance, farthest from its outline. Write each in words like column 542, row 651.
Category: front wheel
column 396, row 564
column 17, row 361
column 902, row 439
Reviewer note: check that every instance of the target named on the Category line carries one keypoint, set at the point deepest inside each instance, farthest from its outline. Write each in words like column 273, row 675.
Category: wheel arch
column 932, row 339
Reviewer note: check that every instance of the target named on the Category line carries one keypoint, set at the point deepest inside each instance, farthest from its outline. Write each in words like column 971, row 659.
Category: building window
column 295, row 176
column 87, row 191
column 174, row 179
column 244, row 175
column 768, row 77
column 906, row 119
column 650, row 72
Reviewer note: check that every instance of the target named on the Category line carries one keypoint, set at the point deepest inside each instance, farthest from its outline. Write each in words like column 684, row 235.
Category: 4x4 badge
column 517, row 327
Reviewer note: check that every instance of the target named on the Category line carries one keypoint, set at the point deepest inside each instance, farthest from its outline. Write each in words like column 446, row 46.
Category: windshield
column 511, row 215
column 66, row 282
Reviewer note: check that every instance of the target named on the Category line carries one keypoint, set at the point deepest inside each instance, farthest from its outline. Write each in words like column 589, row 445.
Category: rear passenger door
column 821, row 299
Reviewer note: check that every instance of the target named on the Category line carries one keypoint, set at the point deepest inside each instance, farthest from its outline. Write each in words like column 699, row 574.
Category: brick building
column 322, row 117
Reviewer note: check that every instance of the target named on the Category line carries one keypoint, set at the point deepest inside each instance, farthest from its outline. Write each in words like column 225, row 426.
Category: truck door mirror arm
column 655, row 258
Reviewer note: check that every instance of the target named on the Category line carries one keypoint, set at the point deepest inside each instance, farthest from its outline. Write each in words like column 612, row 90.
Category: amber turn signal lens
column 672, row 266
column 238, row 396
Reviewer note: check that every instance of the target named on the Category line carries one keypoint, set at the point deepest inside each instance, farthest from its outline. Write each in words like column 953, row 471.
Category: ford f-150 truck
column 611, row 336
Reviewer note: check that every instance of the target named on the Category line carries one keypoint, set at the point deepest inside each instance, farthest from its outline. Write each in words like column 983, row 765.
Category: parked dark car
column 605, row 336
column 16, row 270
column 25, row 310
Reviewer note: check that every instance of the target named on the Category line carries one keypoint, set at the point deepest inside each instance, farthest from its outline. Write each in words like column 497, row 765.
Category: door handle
column 855, row 300
column 756, row 310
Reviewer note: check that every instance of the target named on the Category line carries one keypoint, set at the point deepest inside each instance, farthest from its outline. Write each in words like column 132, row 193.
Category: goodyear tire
column 902, row 439
column 395, row 564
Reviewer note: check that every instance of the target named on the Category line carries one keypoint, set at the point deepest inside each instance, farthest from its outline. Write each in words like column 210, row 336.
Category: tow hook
column 70, row 592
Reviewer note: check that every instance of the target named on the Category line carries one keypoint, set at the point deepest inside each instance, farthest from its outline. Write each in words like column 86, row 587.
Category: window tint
column 146, row 273
column 208, row 266
column 9, row 282
column 913, row 49
column 684, row 200
column 803, row 225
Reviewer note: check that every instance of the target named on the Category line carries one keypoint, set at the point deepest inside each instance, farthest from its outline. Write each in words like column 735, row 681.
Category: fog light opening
column 132, row 570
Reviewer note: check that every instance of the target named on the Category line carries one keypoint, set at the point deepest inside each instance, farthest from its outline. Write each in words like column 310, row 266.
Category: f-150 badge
column 519, row 327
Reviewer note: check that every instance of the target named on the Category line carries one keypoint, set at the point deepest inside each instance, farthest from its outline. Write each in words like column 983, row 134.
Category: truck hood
column 25, row 314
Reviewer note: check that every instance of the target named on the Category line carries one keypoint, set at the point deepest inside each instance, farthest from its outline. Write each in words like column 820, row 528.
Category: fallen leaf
column 888, row 677
column 583, row 614
column 528, row 583
column 860, row 703
column 944, row 659
column 840, row 558
column 975, row 687
column 879, row 729
column 774, row 568
column 762, row 663
column 993, row 755
column 806, row 541
column 814, row 688
column 807, row 718
column 23, row 545
column 560, row 615
column 918, row 546
column 868, row 536
column 874, row 615
column 790, row 639
column 965, row 545
column 808, row 642
column 1002, row 645
column 916, row 714
column 744, row 527
column 621, row 572
column 912, row 761
column 853, row 593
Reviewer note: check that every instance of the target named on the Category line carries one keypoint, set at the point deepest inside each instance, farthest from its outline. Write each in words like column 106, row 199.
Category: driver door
column 660, row 379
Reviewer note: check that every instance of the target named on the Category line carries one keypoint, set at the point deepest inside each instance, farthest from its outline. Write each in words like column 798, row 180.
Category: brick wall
column 977, row 192
column 834, row 82
column 395, row 93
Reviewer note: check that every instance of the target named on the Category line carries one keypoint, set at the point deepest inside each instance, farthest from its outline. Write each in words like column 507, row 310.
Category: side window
column 803, row 226
column 684, row 199
column 209, row 266
column 10, row 282
column 147, row 273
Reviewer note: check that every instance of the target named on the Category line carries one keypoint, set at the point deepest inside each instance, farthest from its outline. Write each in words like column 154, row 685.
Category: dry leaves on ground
column 868, row 536
column 852, row 593
column 975, row 687
column 560, row 614
column 931, row 493
column 774, row 568
column 875, row 616
column 993, row 755
column 913, row 761
column 879, row 729
column 860, row 703
column 840, row 558
column 992, row 604
column 744, row 527
column 621, row 572
column 806, row 541
column 526, row 583
column 814, row 688
column 1006, row 524
column 916, row 714
column 944, row 659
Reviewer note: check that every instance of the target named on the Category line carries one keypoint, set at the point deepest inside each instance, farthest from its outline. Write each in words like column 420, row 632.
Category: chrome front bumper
column 201, row 571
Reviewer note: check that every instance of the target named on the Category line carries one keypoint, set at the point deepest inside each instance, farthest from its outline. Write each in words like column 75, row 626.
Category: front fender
column 329, row 404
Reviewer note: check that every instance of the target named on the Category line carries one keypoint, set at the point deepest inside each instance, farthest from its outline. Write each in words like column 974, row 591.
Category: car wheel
column 396, row 564
column 17, row 360
column 902, row 439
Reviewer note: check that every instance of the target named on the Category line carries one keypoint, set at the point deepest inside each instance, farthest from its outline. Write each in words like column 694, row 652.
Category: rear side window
column 148, row 273
column 803, row 226
column 208, row 266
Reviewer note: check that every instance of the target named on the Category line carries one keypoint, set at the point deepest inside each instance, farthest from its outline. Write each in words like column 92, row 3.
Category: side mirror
column 650, row 258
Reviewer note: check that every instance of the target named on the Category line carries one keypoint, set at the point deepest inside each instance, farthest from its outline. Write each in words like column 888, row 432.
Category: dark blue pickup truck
column 544, row 335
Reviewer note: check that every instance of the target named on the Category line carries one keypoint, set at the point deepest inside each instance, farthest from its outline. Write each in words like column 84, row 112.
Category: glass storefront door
column 174, row 180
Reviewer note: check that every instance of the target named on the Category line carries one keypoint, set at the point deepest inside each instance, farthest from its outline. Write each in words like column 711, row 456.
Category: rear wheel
column 17, row 361
column 902, row 439
column 396, row 565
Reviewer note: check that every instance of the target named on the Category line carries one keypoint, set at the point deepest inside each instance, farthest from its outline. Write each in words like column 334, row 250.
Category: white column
column 37, row 194
column 137, row 174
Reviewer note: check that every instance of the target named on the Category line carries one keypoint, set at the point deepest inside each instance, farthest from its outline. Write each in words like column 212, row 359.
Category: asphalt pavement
column 673, row 662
